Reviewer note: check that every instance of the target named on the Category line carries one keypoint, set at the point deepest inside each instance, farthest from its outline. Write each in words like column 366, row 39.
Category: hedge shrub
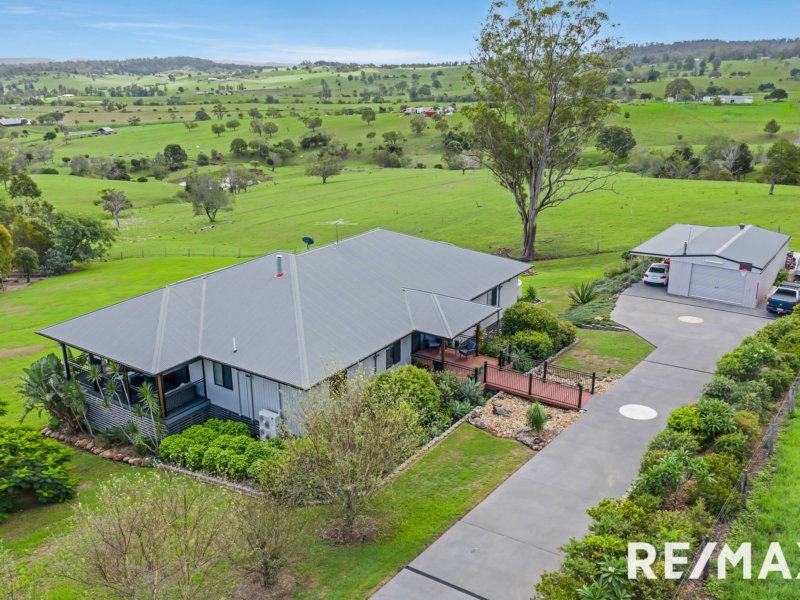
column 29, row 461
column 535, row 344
column 524, row 316
column 220, row 447
column 412, row 385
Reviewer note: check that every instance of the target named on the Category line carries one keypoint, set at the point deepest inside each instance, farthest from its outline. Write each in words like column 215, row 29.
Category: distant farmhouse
column 730, row 99
column 105, row 131
column 13, row 122
column 429, row 111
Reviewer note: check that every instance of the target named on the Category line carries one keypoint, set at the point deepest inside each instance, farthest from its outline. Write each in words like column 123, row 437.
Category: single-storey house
column 726, row 99
column 736, row 264
column 105, row 131
column 248, row 341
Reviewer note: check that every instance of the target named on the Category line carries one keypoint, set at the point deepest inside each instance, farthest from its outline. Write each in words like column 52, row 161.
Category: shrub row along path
column 500, row 549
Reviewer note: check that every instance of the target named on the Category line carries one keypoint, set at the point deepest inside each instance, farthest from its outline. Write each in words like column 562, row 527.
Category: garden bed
column 504, row 416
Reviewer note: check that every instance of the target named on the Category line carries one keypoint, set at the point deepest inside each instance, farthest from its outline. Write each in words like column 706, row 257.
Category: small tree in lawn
column 22, row 186
column 418, row 124
column 536, row 418
column 27, row 261
column 190, row 125
column 368, row 115
column 353, row 439
column 617, row 140
column 324, row 165
column 113, row 202
column 218, row 128
column 161, row 536
column 233, row 124
column 313, row 123
column 269, row 533
column 6, row 253
column 206, row 195
column 175, row 156
column 772, row 127
column 783, row 166
column 270, row 129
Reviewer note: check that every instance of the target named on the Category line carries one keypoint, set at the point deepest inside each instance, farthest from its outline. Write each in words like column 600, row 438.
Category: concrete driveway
column 501, row 547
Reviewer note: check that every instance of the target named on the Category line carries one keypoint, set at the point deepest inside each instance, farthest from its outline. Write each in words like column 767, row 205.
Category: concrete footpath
column 501, row 547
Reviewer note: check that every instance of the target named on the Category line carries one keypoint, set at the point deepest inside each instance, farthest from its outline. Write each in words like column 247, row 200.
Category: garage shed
column 735, row 264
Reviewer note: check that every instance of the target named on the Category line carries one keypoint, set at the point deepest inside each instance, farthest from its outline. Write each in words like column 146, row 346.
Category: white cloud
column 17, row 10
column 144, row 26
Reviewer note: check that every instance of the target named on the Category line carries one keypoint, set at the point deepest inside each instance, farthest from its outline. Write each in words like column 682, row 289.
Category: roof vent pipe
column 234, row 344
column 685, row 247
column 741, row 225
column 279, row 266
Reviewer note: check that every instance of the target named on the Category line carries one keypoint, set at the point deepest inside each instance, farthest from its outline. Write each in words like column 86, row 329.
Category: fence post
column 188, row 252
column 594, row 377
column 792, row 397
column 772, row 439
column 485, row 370
column 213, row 251
column 142, row 252
column 580, row 396
column 500, row 359
column 475, row 373
column 530, row 384
column 743, row 487
column 598, row 246
column 240, row 253
column 544, row 371
column 165, row 250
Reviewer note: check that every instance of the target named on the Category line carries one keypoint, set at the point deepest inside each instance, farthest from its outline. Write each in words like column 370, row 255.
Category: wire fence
column 739, row 494
column 201, row 251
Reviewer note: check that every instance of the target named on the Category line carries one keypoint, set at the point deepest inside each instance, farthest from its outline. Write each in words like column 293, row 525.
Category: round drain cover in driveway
column 687, row 319
column 637, row 412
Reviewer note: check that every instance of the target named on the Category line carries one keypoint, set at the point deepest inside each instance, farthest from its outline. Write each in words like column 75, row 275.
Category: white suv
column 657, row 274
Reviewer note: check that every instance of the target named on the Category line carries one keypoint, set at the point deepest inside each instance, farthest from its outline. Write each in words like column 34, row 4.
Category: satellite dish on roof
column 308, row 241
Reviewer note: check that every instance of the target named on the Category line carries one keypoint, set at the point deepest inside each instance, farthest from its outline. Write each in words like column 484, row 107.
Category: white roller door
column 714, row 283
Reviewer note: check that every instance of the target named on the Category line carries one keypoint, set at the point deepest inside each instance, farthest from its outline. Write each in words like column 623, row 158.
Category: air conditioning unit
column 268, row 424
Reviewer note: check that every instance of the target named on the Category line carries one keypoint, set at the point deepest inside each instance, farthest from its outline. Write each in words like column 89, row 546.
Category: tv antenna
column 336, row 223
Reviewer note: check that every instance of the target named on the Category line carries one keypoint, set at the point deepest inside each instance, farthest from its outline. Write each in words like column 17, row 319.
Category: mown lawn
column 605, row 352
column 418, row 506
column 772, row 516
column 425, row 500
column 34, row 524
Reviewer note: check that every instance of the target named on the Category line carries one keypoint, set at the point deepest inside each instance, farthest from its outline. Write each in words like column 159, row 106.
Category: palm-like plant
column 582, row 293
column 47, row 390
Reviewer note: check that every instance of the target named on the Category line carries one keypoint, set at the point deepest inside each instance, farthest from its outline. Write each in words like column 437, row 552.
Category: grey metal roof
column 444, row 316
column 736, row 243
column 334, row 306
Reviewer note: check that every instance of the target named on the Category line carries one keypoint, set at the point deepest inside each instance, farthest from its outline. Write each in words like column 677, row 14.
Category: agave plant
column 460, row 408
column 582, row 293
column 471, row 392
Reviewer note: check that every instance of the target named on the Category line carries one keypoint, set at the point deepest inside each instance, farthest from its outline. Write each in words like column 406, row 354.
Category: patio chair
column 470, row 348
column 433, row 342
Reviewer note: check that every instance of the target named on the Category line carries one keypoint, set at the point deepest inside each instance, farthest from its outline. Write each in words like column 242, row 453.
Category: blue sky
column 345, row 30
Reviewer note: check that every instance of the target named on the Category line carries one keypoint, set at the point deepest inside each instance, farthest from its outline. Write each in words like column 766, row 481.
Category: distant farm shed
column 730, row 99
column 736, row 264
column 13, row 122
column 105, row 131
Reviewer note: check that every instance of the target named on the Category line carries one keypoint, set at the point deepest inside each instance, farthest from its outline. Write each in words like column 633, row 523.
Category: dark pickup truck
column 783, row 300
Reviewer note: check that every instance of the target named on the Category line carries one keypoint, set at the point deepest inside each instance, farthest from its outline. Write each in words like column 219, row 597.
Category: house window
column 393, row 354
column 223, row 376
column 493, row 296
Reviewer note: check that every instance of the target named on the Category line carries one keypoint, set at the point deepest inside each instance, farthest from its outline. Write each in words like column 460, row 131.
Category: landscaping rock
column 499, row 410
column 515, row 426
column 118, row 456
column 106, row 454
